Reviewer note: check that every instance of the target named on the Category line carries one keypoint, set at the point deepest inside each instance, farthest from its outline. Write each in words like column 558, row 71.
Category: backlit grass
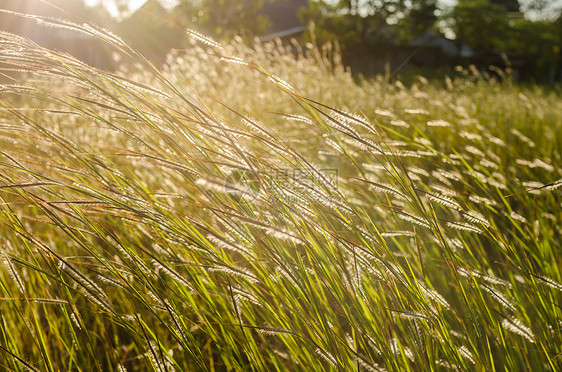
column 261, row 209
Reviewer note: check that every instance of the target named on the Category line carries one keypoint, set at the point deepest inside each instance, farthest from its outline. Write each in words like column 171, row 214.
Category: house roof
column 284, row 33
column 447, row 46
column 283, row 15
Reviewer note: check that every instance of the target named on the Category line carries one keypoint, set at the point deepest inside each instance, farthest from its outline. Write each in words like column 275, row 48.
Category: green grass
column 190, row 217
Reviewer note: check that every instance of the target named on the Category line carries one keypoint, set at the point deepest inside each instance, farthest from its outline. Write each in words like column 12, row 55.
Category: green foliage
column 420, row 17
column 331, row 25
column 488, row 28
column 537, row 42
column 360, row 21
column 223, row 18
column 480, row 23
column 508, row 5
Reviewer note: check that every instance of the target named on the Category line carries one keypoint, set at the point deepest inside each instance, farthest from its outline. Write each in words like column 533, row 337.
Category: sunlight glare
column 133, row 5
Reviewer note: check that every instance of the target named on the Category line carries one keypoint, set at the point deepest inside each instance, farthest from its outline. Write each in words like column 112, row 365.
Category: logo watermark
column 286, row 185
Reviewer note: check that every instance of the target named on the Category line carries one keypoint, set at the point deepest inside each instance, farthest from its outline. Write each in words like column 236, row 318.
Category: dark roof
column 283, row 15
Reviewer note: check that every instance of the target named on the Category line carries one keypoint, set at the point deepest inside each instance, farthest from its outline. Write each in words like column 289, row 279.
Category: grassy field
column 246, row 209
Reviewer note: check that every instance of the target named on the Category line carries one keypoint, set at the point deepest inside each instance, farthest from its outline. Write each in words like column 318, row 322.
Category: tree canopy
column 508, row 5
column 353, row 21
column 480, row 23
column 223, row 18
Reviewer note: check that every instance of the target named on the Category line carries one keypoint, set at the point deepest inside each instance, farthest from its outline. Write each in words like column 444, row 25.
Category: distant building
column 285, row 22
column 381, row 51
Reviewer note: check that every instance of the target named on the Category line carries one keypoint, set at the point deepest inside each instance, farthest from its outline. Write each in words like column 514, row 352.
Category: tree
column 352, row 21
column 541, row 9
column 223, row 18
column 508, row 5
column 481, row 24
column 537, row 43
column 420, row 18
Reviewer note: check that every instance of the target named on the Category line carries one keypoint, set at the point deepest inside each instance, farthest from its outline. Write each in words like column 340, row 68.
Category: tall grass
column 257, row 209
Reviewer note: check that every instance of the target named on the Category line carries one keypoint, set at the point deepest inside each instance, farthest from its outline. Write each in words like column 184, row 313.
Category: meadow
column 264, row 209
